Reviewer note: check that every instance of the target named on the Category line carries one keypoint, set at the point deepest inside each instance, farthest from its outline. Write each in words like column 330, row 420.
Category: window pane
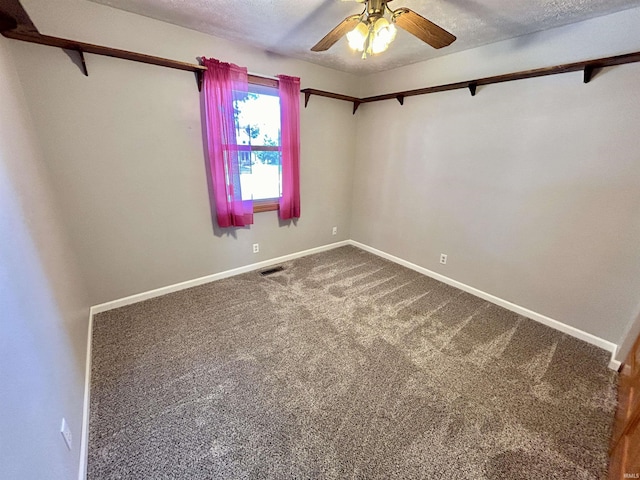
column 258, row 124
column 260, row 175
column 258, row 119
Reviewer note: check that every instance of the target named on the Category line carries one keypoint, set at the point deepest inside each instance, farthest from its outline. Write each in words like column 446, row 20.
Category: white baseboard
column 103, row 307
column 615, row 364
column 550, row 322
column 84, row 442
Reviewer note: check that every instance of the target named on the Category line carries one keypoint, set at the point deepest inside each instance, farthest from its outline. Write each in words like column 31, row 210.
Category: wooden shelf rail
column 589, row 67
column 100, row 50
column 82, row 48
column 15, row 24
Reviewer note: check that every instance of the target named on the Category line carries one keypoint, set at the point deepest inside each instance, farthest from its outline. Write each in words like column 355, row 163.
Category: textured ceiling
column 292, row 27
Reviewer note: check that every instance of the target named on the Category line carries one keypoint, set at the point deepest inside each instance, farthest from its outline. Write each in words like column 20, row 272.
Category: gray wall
column 44, row 309
column 124, row 148
column 530, row 187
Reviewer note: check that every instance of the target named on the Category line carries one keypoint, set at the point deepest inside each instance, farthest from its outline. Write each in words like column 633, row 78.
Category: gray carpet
column 343, row 365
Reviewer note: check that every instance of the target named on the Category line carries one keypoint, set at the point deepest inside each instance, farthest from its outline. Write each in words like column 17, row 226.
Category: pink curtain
column 224, row 83
column 289, row 90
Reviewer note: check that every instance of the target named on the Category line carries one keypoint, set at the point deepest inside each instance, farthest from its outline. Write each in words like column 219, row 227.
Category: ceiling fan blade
column 422, row 28
column 334, row 35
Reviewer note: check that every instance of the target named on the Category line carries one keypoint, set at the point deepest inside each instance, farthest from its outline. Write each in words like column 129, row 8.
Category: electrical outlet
column 443, row 258
column 66, row 433
column 334, row 231
column 256, row 247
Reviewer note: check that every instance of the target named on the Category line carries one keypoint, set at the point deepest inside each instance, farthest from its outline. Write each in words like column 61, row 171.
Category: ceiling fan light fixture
column 372, row 35
column 373, row 30
column 358, row 36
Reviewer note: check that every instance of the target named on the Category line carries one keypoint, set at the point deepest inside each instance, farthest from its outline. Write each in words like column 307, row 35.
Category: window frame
column 266, row 204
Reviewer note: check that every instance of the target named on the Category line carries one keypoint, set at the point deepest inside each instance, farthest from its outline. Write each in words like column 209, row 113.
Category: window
column 226, row 105
column 258, row 136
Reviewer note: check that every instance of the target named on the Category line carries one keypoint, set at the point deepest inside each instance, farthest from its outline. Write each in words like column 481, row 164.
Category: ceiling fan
column 371, row 31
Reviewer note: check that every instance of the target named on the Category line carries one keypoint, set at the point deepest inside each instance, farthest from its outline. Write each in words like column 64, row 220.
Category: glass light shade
column 389, row 33
column 378, row 45
column 380, row 24
column 358, row 36
column 383, row 34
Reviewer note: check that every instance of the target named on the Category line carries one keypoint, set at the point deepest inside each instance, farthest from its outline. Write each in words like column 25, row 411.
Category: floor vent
column 271, row 271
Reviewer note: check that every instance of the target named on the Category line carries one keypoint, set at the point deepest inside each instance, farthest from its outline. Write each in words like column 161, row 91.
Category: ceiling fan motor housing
column 375, row 9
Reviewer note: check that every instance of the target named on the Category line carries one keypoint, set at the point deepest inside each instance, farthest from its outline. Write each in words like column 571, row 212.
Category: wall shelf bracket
column 400, row 99
column 199, row 79
column 356, row 104
column 200, row 73
column 7, row 23
column 307, row 96
column 83, row 63
column 589, row 72
column 76, row 55
column 472, row 88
